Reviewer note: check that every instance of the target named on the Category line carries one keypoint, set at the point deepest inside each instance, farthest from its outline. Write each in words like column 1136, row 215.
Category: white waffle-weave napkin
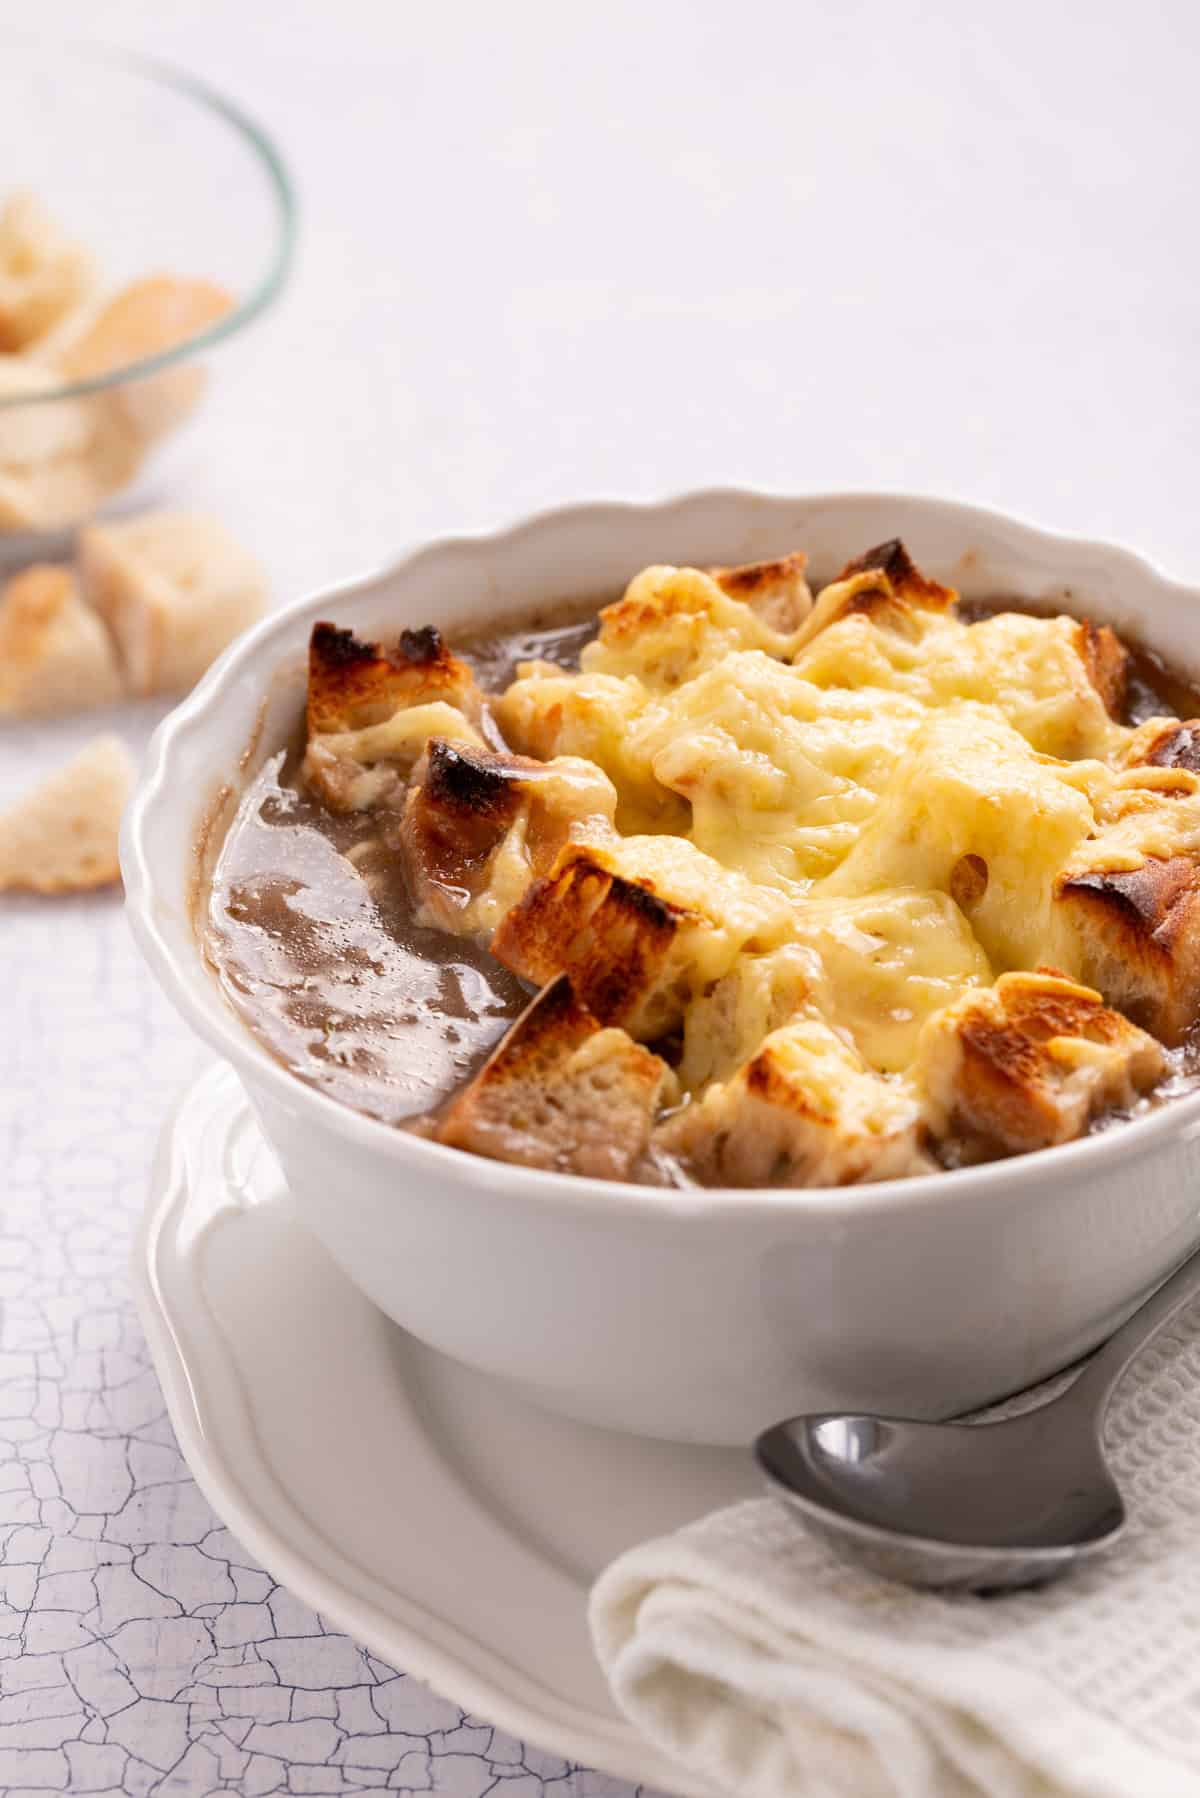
column 770, row 1669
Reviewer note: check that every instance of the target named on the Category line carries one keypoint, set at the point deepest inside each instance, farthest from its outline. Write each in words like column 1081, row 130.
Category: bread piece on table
column 1030, row 1061
column 480, row 824
column 55, row 654
column 62, row 836
column 146, row 319
column 43, row 275
column 174, row 588
column 805, row 1110
column 561, row 1092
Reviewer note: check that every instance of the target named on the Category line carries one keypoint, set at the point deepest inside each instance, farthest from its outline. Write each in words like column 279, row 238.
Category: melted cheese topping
column 872, row 814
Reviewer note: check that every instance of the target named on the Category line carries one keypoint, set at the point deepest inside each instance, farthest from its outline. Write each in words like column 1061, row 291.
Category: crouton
column 55, row 655
column 805, row 1110
column 1030, row 1061
column 44, row 276
column 776, row 591
column 479, row 825
column 62, row 836
column 885, row 585
column 561, row 1092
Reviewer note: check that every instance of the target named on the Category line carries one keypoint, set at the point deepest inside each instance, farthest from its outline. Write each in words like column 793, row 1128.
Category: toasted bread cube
column 372, row 711
column 883, row 584
column 624, row 946
column 55, row 655
column 352, row 684
column 1126, row 912
column 1166, row 743
column 776, row 591
column 174, row 589
column 43, row 275
column 724, row 1026
column 561, row 1092
column 480, row 824
column 62, row 836
column 805, row 1110
column 1030, row 1061
column 642, row 925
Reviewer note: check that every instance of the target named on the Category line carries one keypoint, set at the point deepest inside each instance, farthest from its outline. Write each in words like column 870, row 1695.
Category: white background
column 554, row 252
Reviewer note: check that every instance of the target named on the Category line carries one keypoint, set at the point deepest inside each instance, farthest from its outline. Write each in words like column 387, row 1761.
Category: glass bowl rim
column 279, row 180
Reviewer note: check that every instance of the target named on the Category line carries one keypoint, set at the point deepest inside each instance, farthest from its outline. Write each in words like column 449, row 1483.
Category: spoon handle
column 1106, row 1367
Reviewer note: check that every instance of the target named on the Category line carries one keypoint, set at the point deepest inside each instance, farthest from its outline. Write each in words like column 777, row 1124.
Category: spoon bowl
column 981, row 1505
column 984, row 1505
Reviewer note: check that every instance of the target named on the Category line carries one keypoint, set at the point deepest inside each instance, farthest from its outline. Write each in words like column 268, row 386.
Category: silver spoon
column 980, row 1506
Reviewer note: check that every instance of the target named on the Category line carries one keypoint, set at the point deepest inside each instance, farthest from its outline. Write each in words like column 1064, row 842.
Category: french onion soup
column 729, row 883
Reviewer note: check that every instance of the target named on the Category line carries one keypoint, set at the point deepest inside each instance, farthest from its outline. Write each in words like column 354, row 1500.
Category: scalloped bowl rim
column 233, row 1040
column 270, row 285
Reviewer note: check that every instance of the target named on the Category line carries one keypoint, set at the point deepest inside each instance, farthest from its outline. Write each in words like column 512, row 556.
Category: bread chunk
column 372, row 710
column 561, row 1092
column 55, row 655
column 1030, row 1061
column 352, row 684
column 1127, row 901
column 43, row 275
column 775, row 591
column 641, row 925
column 885, row 585
column 62, row 836
column 143, row 320
column 805, row 1110
column 174, row 588
column 480, row 824
column 59, row 459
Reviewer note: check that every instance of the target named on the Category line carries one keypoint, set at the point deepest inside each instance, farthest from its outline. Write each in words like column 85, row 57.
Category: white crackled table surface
column 545, row 254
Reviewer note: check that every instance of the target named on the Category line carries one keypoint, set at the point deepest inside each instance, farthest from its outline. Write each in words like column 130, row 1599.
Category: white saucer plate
column 420, row 1506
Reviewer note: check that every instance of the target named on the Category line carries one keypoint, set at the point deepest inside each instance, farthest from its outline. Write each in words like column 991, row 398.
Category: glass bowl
column 155, row 174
